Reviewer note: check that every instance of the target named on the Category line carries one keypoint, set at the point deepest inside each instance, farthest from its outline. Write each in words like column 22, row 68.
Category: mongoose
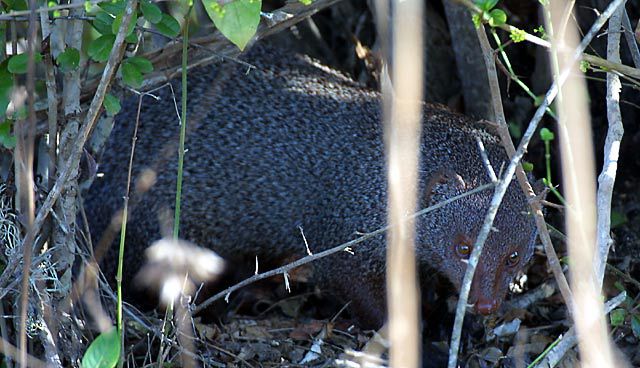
column 294, row 144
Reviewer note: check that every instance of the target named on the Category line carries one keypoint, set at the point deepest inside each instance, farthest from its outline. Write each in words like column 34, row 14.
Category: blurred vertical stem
column 183, row 121
column 113, row 59
column 183, row 131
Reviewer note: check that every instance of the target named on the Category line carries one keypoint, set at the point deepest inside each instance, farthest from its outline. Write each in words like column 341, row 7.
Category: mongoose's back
column 294, row 144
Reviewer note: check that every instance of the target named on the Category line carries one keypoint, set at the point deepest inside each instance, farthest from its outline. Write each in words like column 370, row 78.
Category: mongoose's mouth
column 486, row 306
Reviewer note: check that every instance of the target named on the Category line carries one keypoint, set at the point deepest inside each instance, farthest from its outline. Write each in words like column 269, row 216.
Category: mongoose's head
column 446, row 237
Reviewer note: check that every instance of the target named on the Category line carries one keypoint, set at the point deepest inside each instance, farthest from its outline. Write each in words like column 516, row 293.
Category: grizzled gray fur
column 294, row 144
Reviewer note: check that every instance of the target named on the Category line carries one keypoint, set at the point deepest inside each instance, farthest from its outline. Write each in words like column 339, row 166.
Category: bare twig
column 607, row 177
column 302, row 261
column 485, row 161
column 12, row 15
column 606, row 64
column 501, row 188
column 631, row 40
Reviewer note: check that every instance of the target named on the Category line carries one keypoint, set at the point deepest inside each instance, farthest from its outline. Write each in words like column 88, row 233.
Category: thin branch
column 606, row 64
column 631, row 40
column 607, row 177
column 485, row 161
column 342, row 247
column 18, row 14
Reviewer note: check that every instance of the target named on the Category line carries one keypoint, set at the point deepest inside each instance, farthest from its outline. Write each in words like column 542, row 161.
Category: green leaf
column 617, row 317
column 6, row 84
column 6, row 138
column 69, row 59
column 486, row 5
column 541, row 31
column 3, row 32
column 238, row 21
column 619, row 286
column 527, row 166
column 477, row 20
column 104, row 351
column 497, row 17
column 617, row 219
column 18, row 63
column 168, row 26
column 151, row 11
column 102, row 23
column 515, row 130
column 132, row 38
column 131, row 76
column 113, row 7
column 584, row 66
column 111, row 104
column 635, row 325
column 142, row 64
column 517, row 35
column 538, row 100
column 546, row 135
column 115, row 26
column 100, row 49
column 16, row 4
column 55, row 13
column 306, row 2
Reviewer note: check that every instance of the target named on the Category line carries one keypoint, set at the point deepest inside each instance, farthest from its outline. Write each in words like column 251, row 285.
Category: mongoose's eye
column 463, row 250
column 514, row 259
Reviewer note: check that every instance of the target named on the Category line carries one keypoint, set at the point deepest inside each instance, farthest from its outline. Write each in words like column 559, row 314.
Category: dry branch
column 607, row 177
column 340, row 248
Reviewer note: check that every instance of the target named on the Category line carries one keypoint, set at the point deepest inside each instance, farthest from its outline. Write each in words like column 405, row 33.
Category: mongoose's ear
column 441, row 185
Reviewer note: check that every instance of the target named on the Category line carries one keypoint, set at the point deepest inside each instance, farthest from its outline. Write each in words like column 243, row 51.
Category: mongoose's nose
column 486, row 306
